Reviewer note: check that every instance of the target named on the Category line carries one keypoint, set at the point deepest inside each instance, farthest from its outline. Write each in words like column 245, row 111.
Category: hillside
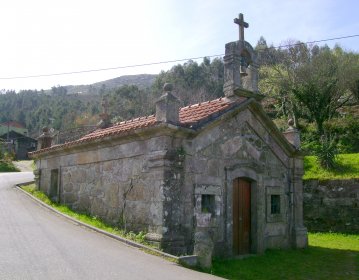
column 141, row 81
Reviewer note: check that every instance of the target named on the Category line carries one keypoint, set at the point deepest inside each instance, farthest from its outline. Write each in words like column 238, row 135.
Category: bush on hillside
column 348, row 131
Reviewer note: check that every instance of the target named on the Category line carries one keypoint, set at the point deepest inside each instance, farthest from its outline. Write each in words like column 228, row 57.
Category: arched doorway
column 241, row 216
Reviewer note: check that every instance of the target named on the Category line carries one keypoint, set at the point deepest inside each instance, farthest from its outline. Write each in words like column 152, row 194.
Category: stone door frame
column 257, row 207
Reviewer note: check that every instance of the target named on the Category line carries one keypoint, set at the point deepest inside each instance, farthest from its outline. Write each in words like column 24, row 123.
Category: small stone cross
column 242, row 24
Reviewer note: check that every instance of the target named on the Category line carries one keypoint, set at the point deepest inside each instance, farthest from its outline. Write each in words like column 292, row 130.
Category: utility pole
column 7, row 137
column 8, row 127
column 9, row 145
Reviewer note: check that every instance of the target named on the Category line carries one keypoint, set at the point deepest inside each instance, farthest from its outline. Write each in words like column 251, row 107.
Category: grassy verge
column 348, row 168
column 6, row 166
column 329, row 256
column 90, row 220
column 33, row 165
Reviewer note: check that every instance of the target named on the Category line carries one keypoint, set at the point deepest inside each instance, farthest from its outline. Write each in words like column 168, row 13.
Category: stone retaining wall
column 331, row 205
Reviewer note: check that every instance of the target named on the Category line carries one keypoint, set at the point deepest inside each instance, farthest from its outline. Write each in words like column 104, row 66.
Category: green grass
column 335, row 241
column 85, row 218
column 7, row 167
column 348, row 168
column 329, row 256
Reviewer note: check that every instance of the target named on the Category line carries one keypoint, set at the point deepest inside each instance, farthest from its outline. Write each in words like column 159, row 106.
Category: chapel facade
column 218, row 172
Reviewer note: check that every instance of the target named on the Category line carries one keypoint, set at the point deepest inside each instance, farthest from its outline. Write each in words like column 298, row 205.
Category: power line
column 164, row 62
column 312, row 42
column 105, row 69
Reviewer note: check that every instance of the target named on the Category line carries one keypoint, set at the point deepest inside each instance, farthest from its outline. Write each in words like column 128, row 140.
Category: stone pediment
column 240, row 141
column 259, row 167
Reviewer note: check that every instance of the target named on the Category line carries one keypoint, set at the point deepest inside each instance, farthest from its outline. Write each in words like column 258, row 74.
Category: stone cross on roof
column 242, row 24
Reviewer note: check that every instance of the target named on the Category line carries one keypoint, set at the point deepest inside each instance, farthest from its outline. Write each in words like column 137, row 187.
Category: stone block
column 86, row 157
column 112, row 196
column 130, row 149
column 188, row 261
column 84, row 203
column 98, row 207
column 195, row 165
column 68, row 160
column 213, row 167
column 70, row 198
column 208, row 189
column 53, row 163
column 203, row 219
column 203, row 248
column 137, row 212
column 68, row 187
column 108, row 165
column 78, row 175
column 278, row 242
column 113, row 216
column 136, row 193
column 154, row 229
column 207, row 179
column 301, row 238
column 155, row 215
column 160, row 143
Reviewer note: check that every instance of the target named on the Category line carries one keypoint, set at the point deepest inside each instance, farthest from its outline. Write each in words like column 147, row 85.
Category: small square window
column 275, row 204
column 208, row 204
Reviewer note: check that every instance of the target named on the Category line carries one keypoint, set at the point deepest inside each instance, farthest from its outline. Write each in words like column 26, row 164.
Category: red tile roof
column 189, row 116
column 121, row 128
column 12, row 124
column 197, row 112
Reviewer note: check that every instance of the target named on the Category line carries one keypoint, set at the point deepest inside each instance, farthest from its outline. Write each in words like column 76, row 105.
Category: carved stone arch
column 248, row 48
column 247, row 57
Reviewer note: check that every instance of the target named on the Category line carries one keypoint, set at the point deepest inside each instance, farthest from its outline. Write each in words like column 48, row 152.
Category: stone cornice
column 258, row 111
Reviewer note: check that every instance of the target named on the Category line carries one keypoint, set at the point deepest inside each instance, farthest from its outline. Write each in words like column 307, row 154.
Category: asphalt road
column 38, row 244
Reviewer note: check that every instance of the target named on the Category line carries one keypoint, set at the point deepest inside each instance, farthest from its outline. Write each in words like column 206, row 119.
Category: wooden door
column 241, row 216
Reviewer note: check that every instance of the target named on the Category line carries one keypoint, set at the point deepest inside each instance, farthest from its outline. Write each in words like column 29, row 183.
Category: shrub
column 348, row 131
column 326, row 152
column 9, row 156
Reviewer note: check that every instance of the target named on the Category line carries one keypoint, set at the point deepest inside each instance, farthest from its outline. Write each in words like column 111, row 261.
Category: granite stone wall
column 332, row 205
column 121, row 184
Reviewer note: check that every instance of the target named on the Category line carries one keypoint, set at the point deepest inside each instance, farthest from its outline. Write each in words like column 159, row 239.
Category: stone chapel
column 221, row 168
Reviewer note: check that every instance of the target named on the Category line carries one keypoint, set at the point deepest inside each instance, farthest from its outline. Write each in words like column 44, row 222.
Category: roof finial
column 168, row 106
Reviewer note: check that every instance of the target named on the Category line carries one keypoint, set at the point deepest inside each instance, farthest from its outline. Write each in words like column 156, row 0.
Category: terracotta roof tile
column 120, row 128
column 188, row 116
column 13, row 124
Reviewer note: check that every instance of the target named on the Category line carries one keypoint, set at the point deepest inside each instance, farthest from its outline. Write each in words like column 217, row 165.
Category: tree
column 59, row 90
column 319, row 101
column 310, row 82
column 267, row 55
column 193, row 82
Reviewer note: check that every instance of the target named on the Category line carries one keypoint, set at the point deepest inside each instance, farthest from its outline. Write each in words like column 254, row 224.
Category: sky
column 41, row 37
